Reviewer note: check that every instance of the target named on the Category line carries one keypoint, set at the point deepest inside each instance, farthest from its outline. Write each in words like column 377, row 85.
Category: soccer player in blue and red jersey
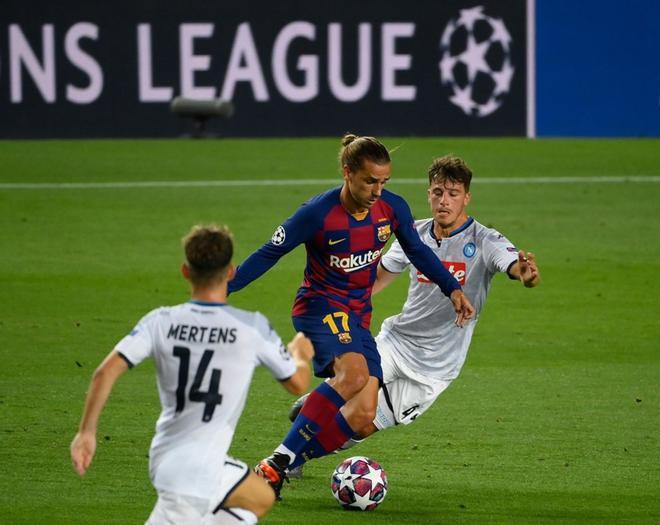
column 344, row 231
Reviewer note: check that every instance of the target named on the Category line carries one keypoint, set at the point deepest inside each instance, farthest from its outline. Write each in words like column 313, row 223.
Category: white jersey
column 205, row 355
column 423, row 335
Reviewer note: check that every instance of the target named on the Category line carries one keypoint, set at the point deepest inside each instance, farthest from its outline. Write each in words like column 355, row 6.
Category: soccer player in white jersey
column 422, row 351
column 205, row 352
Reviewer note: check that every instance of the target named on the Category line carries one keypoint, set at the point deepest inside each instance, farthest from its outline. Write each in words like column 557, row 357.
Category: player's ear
column 185, row 271
column 231, row 272
column 468, row 197
column 345, row 172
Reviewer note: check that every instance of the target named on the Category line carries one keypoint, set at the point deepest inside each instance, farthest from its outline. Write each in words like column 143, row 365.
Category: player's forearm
column 383, row 280
column 255, row 266
column 302, row 351
column 425, row 260
column 100, row 388
column 299, row 382
column 97, row 396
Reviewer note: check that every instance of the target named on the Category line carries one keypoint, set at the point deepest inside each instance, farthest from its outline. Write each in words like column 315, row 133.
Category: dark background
column 119, row 113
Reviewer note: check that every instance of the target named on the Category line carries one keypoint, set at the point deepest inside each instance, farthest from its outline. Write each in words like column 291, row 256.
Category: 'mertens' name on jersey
column 201, row 334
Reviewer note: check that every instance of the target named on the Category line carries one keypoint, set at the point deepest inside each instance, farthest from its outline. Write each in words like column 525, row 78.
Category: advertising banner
column 111, row 69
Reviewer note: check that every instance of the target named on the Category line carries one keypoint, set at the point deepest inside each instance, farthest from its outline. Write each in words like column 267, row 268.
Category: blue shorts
column 334, row 332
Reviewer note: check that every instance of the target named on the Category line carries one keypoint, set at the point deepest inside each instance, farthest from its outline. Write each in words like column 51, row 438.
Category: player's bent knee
column 357, row 381
column 348, row 385
column 351, row 374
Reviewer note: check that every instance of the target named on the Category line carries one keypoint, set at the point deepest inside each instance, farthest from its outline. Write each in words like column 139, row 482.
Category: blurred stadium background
column 556, row 106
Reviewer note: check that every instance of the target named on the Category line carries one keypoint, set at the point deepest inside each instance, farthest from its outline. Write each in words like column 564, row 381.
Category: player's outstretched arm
column 302, row 350
column 296, row 230
column 526, row 270
column 383, row 279
column 83, row 445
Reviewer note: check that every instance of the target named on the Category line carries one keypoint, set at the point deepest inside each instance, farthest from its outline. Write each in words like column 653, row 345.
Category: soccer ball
column 359, row 483
column 476, row 61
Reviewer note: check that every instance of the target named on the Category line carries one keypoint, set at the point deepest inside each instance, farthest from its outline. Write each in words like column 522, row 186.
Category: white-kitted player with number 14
column 205, row 352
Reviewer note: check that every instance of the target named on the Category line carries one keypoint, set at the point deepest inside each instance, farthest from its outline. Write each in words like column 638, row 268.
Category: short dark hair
column 355, row 150
column 208, row 249
column 450, row 168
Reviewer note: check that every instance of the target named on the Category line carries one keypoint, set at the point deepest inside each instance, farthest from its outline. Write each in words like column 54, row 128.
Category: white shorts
column 179, row 509
column 404, row 395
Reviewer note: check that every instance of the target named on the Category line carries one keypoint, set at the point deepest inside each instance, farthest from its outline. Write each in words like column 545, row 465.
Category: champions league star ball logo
column 476, row 61
column 279, row 236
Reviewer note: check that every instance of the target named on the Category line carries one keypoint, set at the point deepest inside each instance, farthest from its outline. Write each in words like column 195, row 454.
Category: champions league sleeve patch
column 279, row 236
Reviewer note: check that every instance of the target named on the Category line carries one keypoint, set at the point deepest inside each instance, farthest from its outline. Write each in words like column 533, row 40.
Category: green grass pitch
column 555, row 418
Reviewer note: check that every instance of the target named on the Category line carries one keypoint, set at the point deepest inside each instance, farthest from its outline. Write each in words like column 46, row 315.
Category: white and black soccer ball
column 476, row 61
column 359, row 483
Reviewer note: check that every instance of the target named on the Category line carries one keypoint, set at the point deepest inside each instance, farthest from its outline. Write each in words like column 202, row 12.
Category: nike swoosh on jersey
column 332, row 242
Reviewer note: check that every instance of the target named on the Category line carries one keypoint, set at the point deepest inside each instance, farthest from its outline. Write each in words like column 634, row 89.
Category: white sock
column 281, row 449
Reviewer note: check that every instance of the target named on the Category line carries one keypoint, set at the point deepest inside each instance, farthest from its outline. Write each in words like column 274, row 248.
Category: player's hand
column 301, row 347
column 529, row 272
column 463, row 307
column 83, row 448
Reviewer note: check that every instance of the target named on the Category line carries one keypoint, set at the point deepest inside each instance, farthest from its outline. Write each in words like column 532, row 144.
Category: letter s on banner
column 84, row 62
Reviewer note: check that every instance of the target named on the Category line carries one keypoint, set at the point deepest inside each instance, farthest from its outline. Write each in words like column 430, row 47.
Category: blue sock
column 319, row 410
column 326, row 441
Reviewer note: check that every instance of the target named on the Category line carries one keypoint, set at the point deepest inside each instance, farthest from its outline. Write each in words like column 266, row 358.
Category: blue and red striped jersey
column 343, row 251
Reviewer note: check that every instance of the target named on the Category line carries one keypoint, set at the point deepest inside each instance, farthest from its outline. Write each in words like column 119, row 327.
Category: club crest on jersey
column 279, row 236
column 469, row 249
column 457, row 269
column 384, row 233
column 345, row 338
